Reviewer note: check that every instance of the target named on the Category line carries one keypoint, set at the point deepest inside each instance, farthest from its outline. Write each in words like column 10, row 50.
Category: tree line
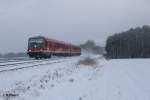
column 134, row 43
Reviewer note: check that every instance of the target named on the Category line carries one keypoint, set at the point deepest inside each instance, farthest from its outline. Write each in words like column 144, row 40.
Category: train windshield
column 36, row 43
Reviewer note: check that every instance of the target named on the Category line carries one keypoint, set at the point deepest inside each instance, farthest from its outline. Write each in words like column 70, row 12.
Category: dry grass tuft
column 87, row 61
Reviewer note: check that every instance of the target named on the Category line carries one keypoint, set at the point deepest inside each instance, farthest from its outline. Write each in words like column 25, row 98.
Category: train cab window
column 36, row 42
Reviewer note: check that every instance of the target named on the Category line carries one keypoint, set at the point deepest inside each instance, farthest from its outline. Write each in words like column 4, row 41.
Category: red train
column 42, row 47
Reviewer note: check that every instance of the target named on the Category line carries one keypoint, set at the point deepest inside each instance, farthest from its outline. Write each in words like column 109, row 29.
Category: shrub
column 87, row 61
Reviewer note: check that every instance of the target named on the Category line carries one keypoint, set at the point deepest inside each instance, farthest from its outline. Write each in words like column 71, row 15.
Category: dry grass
column 87, row 61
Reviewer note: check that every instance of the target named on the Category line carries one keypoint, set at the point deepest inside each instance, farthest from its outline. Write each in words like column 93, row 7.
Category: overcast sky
column 73, row 21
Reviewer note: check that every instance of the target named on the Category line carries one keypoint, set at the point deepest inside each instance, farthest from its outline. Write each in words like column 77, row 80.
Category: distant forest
column 134, row 43
column 11, row 55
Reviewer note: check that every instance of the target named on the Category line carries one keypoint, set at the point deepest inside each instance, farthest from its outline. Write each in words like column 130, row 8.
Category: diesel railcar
column 43, row 47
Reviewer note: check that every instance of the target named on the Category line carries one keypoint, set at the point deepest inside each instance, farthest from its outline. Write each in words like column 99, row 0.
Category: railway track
column 19, row 63
column 23, row 65
column 29, row 66
column 13, row 60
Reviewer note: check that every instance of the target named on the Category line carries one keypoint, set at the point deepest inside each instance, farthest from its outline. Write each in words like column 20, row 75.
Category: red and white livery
column 42, row 47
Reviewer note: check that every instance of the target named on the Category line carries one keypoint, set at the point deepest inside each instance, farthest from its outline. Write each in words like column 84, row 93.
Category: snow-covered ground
column 106, row 80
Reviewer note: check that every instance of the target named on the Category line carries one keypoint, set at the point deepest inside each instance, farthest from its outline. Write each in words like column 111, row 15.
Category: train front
column 36, row 47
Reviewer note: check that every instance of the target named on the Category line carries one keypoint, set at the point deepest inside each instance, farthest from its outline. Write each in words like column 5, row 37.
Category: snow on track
column 28, row 64
column 18, row 62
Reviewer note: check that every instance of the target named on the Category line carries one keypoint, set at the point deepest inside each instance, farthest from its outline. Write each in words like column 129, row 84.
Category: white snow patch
column 109, row 80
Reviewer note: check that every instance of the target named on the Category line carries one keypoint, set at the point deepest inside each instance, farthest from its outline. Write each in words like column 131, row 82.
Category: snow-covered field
column 106, row 80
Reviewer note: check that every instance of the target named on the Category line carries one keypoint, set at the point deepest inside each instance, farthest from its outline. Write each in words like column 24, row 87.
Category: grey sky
column 74, row 21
